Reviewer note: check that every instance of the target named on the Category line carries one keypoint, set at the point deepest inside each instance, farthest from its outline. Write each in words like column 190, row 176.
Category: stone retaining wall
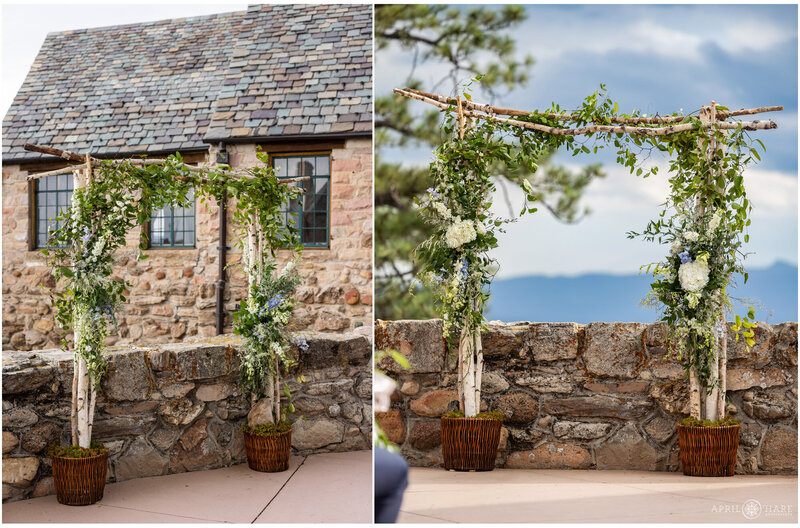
column 599, row 396
column 177, row 407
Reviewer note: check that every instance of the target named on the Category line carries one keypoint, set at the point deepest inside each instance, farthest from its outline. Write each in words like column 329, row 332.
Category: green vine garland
column 122, row 196
column 454, row 260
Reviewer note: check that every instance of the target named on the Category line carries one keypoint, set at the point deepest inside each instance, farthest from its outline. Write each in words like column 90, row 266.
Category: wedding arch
column 704, row 218
column 112, row 197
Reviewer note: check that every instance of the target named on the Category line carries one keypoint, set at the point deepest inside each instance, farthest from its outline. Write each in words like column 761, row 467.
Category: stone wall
column 177, row 407
column 596, row 396
column 173, row 294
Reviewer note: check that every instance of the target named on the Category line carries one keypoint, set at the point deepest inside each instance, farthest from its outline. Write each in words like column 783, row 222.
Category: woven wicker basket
column 708, row 451
column 470, row 444
column 80, row 481
column 269, row 454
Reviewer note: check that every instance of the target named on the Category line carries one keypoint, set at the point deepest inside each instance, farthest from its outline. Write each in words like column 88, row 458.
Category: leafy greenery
column 261, row 322
column 120, row 197
column 704, row 218
column 269, row 429
column 94, row 449
column 691, row 421
column 486, row 415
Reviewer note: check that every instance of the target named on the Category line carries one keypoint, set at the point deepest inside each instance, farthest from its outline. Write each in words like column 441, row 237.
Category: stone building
column 293, row 81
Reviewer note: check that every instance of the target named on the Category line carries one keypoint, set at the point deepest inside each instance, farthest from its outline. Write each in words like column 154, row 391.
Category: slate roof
column 272, row 71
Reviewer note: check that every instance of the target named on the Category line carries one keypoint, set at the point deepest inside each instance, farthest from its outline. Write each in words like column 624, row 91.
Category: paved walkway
column 527, row 496
column 329, row 488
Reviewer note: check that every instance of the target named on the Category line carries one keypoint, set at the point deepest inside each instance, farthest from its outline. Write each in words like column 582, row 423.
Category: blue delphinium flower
column 685, row 257
column 433, row 193
column 300, row 343
column 275, row 301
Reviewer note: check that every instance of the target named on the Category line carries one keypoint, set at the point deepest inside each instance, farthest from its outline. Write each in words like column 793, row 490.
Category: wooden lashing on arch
column 711, row 119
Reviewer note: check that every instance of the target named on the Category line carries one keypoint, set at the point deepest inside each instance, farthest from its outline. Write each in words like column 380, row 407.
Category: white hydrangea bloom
column 459, row 233
column 441, row 209
column 693, row 275
column 289, row 268
column 713, row 224
column 676, row 247
column 691, row 236
column 480, row 228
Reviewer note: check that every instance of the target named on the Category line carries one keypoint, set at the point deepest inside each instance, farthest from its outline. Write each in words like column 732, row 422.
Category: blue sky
column 655, row 59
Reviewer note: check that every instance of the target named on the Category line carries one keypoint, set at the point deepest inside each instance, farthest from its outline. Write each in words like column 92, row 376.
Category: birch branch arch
column 113, row 196
column 699, row 144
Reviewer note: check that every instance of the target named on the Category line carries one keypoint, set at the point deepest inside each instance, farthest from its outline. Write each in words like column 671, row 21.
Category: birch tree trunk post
column 81, row 383
column 695, row 397
column 467, row 353
column 470, row 370
column 263, row 410
column 276, row 394
column 712, row 396
column 722, row 340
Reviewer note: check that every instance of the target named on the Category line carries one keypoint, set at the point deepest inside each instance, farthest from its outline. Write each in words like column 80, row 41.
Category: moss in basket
column 73, row 451
column 269, row 429
column 487, row 415
column 691, row 421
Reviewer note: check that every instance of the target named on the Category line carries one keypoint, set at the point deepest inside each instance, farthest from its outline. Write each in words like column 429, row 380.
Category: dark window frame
column 326, row 244
column 149, row 228
column 36, row 194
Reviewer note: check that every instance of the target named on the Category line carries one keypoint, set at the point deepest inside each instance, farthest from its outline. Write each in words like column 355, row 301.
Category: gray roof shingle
column 182, row 83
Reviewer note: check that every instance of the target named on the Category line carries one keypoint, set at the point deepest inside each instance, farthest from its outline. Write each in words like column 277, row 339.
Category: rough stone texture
column 608, row 391
column 580, row 430
column 40, row 436
column 433, row 403
column 599, row 406
column 552, row 455
column 492, row 383
column 627, row 449
column 614, row 350
column 392, row 424
column 140, row 460
column 779, row 453
column 518, row 407
column 660, row 429
column 317, row 433
column 426, row 435
column 20, row 472
column 10, row 441
column 176, row 424
column 421, row 342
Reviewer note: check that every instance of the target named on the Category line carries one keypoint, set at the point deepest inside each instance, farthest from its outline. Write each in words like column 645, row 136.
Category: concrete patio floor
column 575, row 496
column 326, row 488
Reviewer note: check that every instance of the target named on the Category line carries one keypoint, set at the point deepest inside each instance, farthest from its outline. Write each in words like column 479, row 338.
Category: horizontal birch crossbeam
column 472, row 109
column 79, row 158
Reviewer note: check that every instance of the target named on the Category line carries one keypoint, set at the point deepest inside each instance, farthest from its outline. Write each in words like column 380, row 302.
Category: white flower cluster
column 676, row 247
column 460, row 232
column 713, row 224
column 441, row 209
column 693, row 275
column 289, row 267
column 691, row 236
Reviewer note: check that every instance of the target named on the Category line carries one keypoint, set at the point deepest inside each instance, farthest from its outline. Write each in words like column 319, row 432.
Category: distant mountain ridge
column 603, row 297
